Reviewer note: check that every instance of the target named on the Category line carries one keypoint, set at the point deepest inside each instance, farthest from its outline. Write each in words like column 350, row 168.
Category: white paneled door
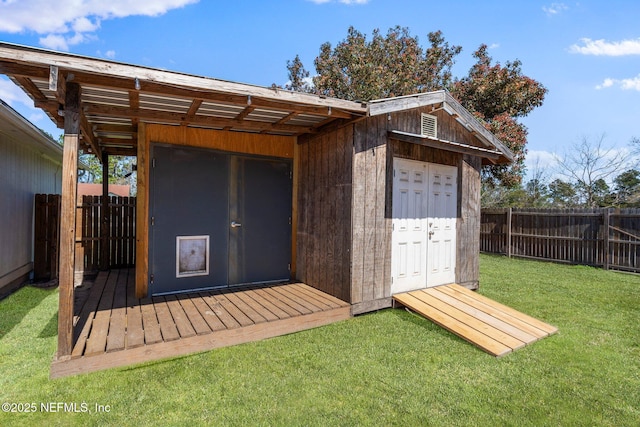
column 424, row 225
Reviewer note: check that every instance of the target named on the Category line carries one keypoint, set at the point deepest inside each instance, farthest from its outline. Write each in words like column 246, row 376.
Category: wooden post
column 606, row 221
column 105, row 232
column 509, row 232
column 142, row 214
column 68, row 219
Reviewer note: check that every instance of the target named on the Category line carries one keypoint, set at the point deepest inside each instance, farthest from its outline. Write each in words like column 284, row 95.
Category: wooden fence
column 117, row 243
column 46, row 236
column 608, row 238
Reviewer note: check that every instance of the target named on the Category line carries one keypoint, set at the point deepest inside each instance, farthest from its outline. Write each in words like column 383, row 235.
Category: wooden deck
column 113, row 328
column 495, row 328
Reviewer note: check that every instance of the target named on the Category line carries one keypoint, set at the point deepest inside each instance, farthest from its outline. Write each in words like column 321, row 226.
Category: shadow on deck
column 113, row 328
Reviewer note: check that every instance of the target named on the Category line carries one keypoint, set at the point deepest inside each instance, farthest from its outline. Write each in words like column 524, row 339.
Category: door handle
column 431, row 233
column 235, row 224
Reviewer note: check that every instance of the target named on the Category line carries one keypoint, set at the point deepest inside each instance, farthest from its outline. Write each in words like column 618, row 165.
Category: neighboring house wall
column 85, row 189
column 24, row 171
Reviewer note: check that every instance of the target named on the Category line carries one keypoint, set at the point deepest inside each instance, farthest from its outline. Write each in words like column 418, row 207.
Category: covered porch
column 112, row 327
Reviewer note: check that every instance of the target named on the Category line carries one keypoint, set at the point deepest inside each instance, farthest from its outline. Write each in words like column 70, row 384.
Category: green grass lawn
column 386, row 368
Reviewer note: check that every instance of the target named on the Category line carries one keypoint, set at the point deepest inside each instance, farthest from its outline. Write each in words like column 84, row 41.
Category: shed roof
column 117, row 96
column 448, row 103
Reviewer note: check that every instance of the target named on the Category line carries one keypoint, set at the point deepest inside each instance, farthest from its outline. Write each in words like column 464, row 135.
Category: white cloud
column 494, row 45
column 12, row 94
column 624, row 84
column 605, row 48
column 66, row 23
column 110, row 54
column 555, row 9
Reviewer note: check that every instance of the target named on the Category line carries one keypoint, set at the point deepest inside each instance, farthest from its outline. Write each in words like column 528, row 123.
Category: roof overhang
column 442, row 144
column 116, row 97
column 448, row 103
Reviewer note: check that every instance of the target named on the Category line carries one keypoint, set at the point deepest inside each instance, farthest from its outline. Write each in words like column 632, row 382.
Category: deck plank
column 451, row 324
column 151, row 326
column 135, row 331
column 234, row 311
column 185, row 329
column 87, row 315
column 97, row 340
column 549, row 329
column 118, row 318
column 282, row 305
column 167, row 325
column 216, row 306
column 246, row 308
column 491, row 310
column 484, row 317
column 281, row 293
column 266, row 302
column 470, row 321
column 328, row 299
column 251, row 299
column 310, row 297
column 207, row 313
column 197, row 320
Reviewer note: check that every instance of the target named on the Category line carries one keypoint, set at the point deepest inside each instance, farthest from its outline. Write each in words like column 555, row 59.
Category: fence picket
column 597, row 237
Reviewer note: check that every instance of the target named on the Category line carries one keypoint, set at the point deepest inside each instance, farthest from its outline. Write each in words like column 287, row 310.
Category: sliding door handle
column 235, row 224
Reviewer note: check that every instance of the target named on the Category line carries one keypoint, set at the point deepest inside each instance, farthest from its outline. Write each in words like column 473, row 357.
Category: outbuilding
column 243, row 185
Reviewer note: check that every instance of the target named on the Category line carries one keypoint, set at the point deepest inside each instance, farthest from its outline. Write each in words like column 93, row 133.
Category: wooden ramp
column 495, row 328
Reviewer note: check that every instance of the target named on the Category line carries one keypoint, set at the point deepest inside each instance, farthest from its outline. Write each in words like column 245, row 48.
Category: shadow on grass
column 51, row 328
column 407, row 315
column 16, row 306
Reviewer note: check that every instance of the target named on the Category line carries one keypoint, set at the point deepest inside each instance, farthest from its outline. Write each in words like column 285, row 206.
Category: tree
column 298, row 77
column 499, row 95
column 627, row 187
column 359, row 69
column 590, row 164
column 562, row 194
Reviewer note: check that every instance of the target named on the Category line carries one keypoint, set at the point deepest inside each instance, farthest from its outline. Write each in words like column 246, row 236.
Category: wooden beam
column 142, row 214
column 117, row 151
column 177, row 118
column 68, row 219
column 202, row 95
column 87, row 131
column 134, row 104
column 244, row 113
column 261, row 97
column 444, row 145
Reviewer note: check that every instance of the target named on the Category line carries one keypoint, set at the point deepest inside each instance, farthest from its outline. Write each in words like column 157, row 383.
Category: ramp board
column 494, row 327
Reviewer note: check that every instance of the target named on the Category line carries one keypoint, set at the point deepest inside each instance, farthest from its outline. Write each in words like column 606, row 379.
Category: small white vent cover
column 429, row 126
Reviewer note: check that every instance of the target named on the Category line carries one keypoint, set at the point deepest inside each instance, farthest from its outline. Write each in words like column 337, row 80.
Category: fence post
column 105, row 231
column 606, row 222
column 509, row 232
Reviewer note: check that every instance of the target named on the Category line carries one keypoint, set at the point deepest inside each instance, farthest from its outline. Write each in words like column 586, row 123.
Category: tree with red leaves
column 359, row 69
column 498, row 95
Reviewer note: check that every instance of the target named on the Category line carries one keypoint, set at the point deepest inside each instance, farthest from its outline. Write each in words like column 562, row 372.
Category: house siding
column 24, row 172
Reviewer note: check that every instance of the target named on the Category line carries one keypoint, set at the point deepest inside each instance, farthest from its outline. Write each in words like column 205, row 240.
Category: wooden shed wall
column 372, row 195
column 324, row 167
column 371, row 229
column 23, row 173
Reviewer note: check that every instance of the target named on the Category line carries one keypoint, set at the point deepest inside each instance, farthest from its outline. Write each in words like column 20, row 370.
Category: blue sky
column 586, row 53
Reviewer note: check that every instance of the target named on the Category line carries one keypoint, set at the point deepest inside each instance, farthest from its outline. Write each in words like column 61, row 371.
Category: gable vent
column 429, row 126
